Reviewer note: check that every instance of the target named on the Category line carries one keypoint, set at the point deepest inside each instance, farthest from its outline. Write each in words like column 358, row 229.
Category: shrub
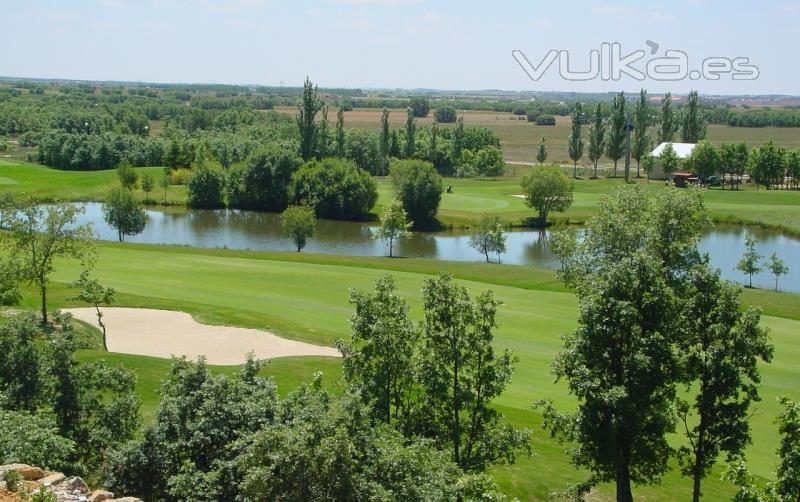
column 207, row 188
column 12, row 479
column 33, row 438
column 420, row 106
column 263, row 182
column 418, row 187
column 335, row 188
column 445, row 115
column 546, row 120
column 180, row 176
column 488, row 161
column 520, row 110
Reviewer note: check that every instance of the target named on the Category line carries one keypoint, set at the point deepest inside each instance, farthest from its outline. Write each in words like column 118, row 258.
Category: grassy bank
column 305, row 297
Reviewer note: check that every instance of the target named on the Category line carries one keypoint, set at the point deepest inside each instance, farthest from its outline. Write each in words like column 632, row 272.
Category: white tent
column 682, row 150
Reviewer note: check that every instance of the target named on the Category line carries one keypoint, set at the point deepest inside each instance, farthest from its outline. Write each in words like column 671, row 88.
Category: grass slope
column 305, row 297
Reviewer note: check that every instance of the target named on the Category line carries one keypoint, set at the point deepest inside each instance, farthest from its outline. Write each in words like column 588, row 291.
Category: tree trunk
column 390, row 248
column 776, row 283
column 44, row 302
column 624, row 493
column 486, row 252
column 699, row 459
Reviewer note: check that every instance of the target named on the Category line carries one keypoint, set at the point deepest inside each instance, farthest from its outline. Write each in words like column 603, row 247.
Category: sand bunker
column 164, row 333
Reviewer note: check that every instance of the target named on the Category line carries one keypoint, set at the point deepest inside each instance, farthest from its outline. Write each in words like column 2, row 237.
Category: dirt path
column 164, row 333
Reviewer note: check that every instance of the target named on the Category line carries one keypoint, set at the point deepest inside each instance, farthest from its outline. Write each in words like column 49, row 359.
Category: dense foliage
column 335, row 188
column 418, row 187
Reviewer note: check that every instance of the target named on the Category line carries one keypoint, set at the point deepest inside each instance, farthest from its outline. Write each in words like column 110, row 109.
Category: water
column 261, row 231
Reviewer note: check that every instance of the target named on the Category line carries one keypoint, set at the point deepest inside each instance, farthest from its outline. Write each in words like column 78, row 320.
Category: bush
column 335, row 188
column 532, row 116
column 263, row 182
column 445, row 115
column 418, row 187
column 546, row 120
column 32, row 438
column 520, row 110
column 420, row 106
column 547, row 189
column 12, row 479
column 180, row 176
column 488, row 161
column 207, row 188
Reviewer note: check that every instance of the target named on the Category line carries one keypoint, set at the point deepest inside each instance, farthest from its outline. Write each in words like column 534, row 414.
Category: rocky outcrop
column 72, row 489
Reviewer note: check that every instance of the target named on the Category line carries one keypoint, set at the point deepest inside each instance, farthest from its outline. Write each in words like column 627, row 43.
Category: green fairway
column 305, row 297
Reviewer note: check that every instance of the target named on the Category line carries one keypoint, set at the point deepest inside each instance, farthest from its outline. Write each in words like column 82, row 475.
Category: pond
column 261, row 231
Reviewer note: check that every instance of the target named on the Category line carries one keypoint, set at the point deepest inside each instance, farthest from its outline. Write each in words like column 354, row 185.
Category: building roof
column 682, row 149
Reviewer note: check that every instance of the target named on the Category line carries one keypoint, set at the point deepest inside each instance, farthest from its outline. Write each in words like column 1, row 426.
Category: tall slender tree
column 615, row 135
column 411, row 133
column 693, row 126
column 597, row 138
column 323, row 142
column 575, row 140
column 385, row 138
column 641, row 134
column 434, row 132
column 458, row 140
column 541, row 151
column 666, row 121
column 307, row 109
column 340, row 133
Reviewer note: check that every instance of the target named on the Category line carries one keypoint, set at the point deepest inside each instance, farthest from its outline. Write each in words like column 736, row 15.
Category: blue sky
column 390, row 43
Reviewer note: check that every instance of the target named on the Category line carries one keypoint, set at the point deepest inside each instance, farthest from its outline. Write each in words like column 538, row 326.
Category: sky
column 408, row 44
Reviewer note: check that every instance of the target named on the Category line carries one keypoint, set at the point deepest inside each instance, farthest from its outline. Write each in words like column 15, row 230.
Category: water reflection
column 261, row 231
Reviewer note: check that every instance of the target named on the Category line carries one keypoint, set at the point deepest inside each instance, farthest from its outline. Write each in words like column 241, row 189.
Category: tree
column 488, row 237
column 488, row 161
column 669, row 160
column 750, row 262
column 641, row 136
column 420, row 107
column 666, row 123
column 788, row 486
column 648, row 164
column 362, row 148
column 575, row 141
column 766, row 164
column 127, row 176
column 22, row 379
column 720, row 349
column 298, row 223
column 394, row 225
column 621, row 363
column 547, row 189
column 323, row 141
column 433, row 139
column 147, row 185
column 732, row 162
column 378, row 360
column 335, row 188
column 458, row 140
column 164, row 182
column 777, row 267
column 95, row 294
column 122, row 211
column 460, row 375
column 445, row 115
column 411, row 130
column 42, row 234
column 541, row 151
column 793, row 167
column 418, row 187
column 385, row 138
column 704, row 160
column 262, row 183
column 10, row 293
column 32, row 438
column 693, row 126
column 340, row 133
column 206, row 188
column 616, row 134
column 597, row 134
column 307, row 108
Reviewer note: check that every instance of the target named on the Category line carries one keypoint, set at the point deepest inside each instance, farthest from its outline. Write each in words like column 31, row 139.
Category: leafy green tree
column 458, row 139
column 445, row 115
column 418, row 187
column 95, row 294
column 648, row 164
column 766, row 164
column 164, row 182
column 705, row 159
column 788, row 485
column 546, row 189
column 262, row 183
column 792, row 164
column 666, row 123
column 575, row 141
column 123, row 212
column 615, row 132
column 148, row 184
column 488, row 161
column 394, row 225
column 378, row 360
column 385, row 139
column 732, row 162
column 777, row 267
column 307, row 108
column 340, row 133
column 693, row 126
column 206, row 188
column 488, row 237
column 10, row 293
column 641, row 136
column 669, row 160
column 42, row 234
column 460, row 375
column 127, row 176
column 541, row 151
column 22, row 379
column 433, row 133
column 32, row 438
column 323, row 141
column 420, row 107
column 361, row 147
column 750, row 262
column 298, row 223
column 720, row 350
column 411, row 130
column 597, row 138
column 335, row 188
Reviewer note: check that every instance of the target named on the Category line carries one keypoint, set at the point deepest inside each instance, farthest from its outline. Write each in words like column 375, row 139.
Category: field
column 304, row 297
column 519, row 138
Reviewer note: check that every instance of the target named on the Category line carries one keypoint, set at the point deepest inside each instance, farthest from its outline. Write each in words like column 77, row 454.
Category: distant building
column 683, row 150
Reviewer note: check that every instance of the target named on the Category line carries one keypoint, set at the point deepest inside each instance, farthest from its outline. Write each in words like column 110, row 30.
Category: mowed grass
column 306, row 297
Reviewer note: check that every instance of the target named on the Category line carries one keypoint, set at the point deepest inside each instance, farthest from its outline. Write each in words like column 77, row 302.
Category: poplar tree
column 324, row 140
column 615, row 140
column 434, row 138
column 458, row 140
column 597, row 138
column 385, row 134
column 666, row 125
column 693, row 127
column 411, row 131
column 575, row 141
column 340, row 133
column 641, row 135
column 541, row 150
column 307, row 109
